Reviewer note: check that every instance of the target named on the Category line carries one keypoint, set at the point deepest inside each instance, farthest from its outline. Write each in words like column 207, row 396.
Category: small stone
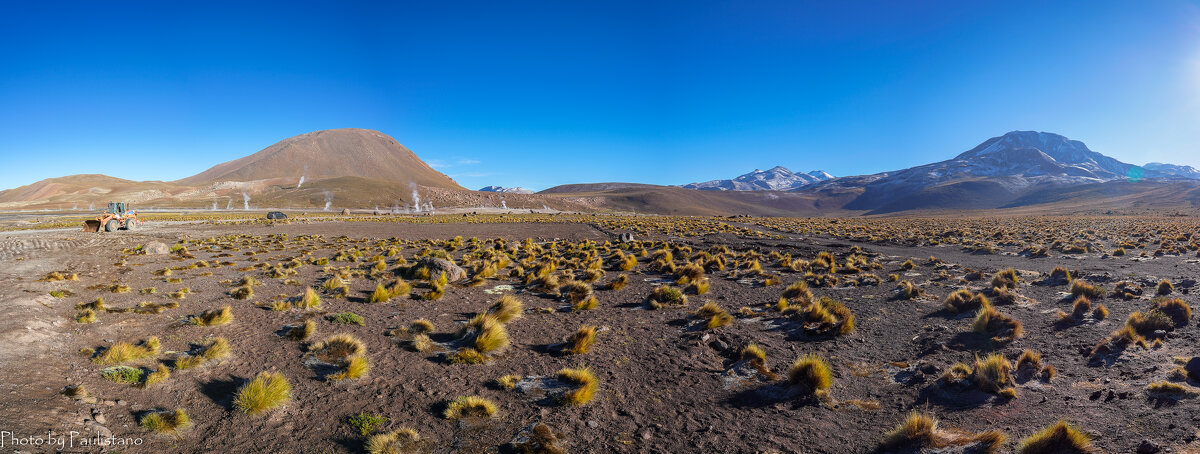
column 1193, row 368
column 593, row 424
column 100, row 418
column 1148, row 447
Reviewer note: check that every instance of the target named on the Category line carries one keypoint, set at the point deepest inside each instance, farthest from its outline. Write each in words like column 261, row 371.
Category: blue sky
column 537, row 94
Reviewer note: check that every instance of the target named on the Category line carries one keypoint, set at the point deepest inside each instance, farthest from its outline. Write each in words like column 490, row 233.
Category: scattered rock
column 1193, row 368
column 345, row 212
column 156, row 248
column 625, row 237
column 1148, row 447
column 454, row 273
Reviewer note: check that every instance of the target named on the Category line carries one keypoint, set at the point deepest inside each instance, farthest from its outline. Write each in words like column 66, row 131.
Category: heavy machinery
column 116, row 218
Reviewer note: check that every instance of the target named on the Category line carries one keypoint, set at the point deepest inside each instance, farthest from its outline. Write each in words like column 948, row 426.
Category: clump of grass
column 508, row 382
column 467, row 355
column 576, row 291
column 1001, row 327
column 165, row 423
column 216, row 349
column 380, row 295
column 618, row 283
column 580, row 342
column 469, row 407
column 61, row 293
column 1081, row 307
column 921, row 430
column 123, row 352
column 85, row 316
column 399, row 288
column 422, row 343
column 420, row 326
column 585, row 385
column 268, row 391
column 962, row 300
column 352, row 368
column 993, row 373
column 242, row 293
column 1060, row 438
column 754, row 355
column 1179, row 311
column 347, row 318
column 906, row 290
column 1005, row 279
column 1100, row 312
column 221, row 316
column 301, row 332
column 367, row 422
column 122, row 374
column 75, row 391
column 403, row 440
column 1081, row 288
column 717, row 317
column 1165, row 287
column 506, row 309
column 309, row 300
column 810, row 374
column 664, row 296
column 161, row 373
column 699, row 286
column 338, row 347
column 540, row 439
column 1168, row 390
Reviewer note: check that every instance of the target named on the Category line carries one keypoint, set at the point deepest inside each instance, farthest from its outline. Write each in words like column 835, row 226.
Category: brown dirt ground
column 662, row 386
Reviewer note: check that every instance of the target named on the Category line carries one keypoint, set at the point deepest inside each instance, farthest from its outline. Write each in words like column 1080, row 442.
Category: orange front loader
column 116, row 218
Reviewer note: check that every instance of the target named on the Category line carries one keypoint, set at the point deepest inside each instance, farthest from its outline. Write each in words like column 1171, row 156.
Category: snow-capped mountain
column 777, row 178
column 517, row 190
column 1172, row 170
column 995, row 172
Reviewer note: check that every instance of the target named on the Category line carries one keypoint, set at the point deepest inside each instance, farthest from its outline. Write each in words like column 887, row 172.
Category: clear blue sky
column 540, row 94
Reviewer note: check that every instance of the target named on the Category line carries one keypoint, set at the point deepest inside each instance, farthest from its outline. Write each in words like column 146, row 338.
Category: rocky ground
column 666, row 382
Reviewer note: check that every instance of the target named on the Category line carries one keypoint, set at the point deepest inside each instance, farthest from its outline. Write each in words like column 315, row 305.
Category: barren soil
column 667, row 384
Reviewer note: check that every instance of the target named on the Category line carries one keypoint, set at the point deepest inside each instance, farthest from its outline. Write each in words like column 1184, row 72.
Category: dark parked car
column 276, row 215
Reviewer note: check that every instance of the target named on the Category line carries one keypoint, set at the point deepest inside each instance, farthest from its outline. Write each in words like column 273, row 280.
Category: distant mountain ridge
column 777, row 178
column 996, row 172
column 516, row 190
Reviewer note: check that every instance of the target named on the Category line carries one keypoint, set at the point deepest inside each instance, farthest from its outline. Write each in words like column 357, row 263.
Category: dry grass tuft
column 399, row 441
column 666, row 296
column 507, row 309
column 302, row 332
column 268, row 391
column 618, row 283
column 222, row 316
column 469, row 407
column 123, row 352
column 580, row 342
column 810, row 374
column 585, row 385
column 1001, row 327
column 1060, row 438
column 165, row 423
column 338, row 347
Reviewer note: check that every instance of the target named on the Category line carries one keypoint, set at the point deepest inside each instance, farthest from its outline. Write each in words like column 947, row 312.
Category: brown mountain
column 329, row 154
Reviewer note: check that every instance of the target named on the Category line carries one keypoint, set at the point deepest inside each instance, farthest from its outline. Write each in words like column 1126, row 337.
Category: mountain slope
column 990, row 175
column 777, row 178
column 329, row 154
